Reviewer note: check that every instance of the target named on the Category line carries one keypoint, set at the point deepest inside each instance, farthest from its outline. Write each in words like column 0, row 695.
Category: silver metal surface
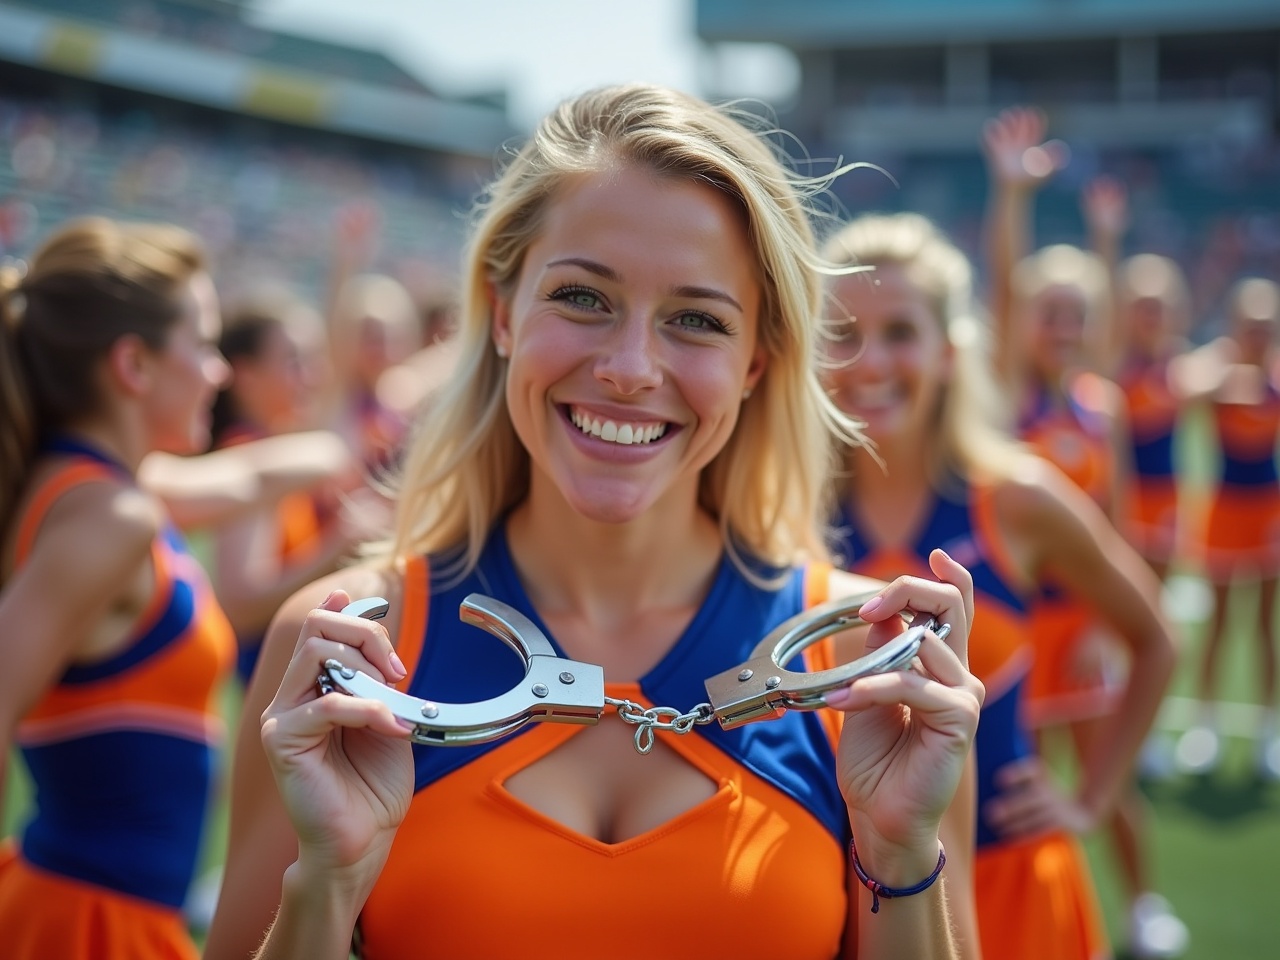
column 544, row 694
column 739, row 696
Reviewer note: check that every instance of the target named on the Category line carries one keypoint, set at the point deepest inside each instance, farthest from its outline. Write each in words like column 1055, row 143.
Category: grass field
column 1216, row 840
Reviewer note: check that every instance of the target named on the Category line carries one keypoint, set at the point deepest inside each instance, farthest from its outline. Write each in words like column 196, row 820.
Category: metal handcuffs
column 560, row 690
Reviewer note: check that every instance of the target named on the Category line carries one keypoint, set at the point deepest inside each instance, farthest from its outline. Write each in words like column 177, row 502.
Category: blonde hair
column 92, row 282
column 1254, row 298
column 973, row 435
column 466, row 466
column 1064, row 265
column 1151, row 276
column 373, row 295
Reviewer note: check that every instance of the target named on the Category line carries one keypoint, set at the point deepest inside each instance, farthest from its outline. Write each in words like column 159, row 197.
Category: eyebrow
column 608, row 273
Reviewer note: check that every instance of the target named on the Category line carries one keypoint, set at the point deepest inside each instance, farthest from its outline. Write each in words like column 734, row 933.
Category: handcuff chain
column 649, row 719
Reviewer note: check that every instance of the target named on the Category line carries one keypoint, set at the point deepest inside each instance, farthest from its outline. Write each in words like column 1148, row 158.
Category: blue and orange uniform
column 121, row 753
column 300, row 529
column 381, row 431
column 1243, row 527
column 1151, row 500
column 757, row 869
column 1066, row 683
column 1034, row 897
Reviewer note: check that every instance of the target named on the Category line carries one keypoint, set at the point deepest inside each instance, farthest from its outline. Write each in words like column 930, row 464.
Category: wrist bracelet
column 879, row 890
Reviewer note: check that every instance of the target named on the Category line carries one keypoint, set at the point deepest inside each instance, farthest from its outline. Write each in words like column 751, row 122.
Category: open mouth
column 624, row 433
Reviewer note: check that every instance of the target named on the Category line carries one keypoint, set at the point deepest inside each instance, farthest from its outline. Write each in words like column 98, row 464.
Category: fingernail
column 871, row 606
column 397, row 664
column 836, row 698
column 328, row 598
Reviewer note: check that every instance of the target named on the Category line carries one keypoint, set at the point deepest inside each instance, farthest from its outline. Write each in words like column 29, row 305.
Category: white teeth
column 611, row 432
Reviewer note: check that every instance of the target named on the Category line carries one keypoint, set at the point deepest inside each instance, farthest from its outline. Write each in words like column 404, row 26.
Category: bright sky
column 540, row 50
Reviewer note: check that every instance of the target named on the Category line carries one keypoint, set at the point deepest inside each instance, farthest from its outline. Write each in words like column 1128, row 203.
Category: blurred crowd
column 336, row 314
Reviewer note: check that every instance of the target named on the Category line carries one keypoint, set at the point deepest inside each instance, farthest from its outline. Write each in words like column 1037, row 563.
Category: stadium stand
column 253, row 145
column 1180, row 99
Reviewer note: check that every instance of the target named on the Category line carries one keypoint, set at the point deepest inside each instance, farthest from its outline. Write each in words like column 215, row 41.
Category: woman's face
column 1255, row 336
column 1056, row 330
column 379, row 344
column 277, row 388
column 889, row 360
column 188, row 372
column 632, row 335
column 1150, row 324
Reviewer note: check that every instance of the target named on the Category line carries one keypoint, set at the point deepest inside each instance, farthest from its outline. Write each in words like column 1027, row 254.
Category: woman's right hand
column 1018, row 156
column 343, row 765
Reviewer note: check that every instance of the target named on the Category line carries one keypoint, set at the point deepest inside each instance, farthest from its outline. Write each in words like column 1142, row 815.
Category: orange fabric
column 780, row 893
column 1248, row 430
column 162, row 692
column 1241, row 532
column 1014, row 926
column 300, row 528
column 55, row 486
column 1074, row 676
column 822, row 655
column 1065, row 441
column 1152, row 408
column 413, row 618
column 297, row 517
column 1151, row 517
column 49, row 916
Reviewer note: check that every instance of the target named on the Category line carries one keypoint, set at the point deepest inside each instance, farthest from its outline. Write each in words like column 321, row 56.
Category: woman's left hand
column 907, row 734
column 1031, row 802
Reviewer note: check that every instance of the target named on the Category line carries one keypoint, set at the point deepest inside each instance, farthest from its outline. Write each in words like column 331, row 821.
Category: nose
column 217, row 370
column 872, row 356
column 627, row 359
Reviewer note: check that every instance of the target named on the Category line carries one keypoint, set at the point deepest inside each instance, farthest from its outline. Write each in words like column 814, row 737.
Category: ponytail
column 17, row 413
column 92, row 282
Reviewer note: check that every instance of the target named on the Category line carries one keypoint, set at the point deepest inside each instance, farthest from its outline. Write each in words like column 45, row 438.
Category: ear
column 755, row 370
column 129, row 365
column 500, row 312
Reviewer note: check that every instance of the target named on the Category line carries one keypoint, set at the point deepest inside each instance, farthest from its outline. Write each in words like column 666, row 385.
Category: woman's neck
column 607, row 573
column 120, row 442
column 889, row 498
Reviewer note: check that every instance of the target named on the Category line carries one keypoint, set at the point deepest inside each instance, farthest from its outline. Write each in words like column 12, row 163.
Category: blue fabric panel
column 122, row 810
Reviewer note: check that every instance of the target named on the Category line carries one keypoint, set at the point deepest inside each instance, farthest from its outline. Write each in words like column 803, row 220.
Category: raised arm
column 222, row 485
column 1019, row 162
column 1105, row 204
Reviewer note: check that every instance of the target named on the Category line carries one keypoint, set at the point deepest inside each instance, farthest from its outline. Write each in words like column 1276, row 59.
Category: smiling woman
column 632, row 456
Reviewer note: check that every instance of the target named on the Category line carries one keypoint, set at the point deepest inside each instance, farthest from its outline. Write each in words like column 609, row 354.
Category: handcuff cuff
column 559, row 690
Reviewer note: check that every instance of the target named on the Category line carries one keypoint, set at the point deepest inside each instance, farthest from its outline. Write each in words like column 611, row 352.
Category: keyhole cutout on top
column 597, row 785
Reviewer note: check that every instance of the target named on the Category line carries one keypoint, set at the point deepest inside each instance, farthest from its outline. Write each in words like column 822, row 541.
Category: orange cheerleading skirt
column 1035, row 898
column 1073, row 676
column 1242, row 533
column 44, row 915
column 1151, row 518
